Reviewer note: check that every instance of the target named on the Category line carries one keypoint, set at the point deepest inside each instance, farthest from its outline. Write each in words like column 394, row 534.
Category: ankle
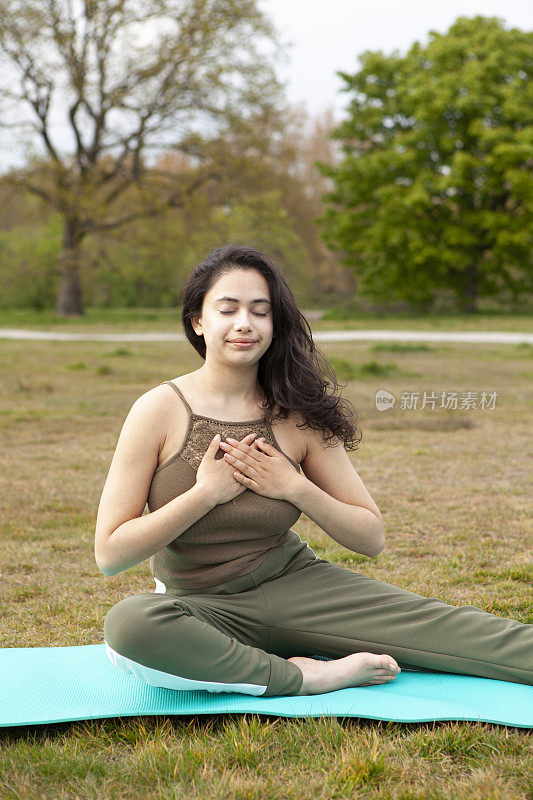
column 310, row 679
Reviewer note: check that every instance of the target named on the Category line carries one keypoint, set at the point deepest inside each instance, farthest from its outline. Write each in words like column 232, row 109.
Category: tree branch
column 176, row 200
column 23, row 183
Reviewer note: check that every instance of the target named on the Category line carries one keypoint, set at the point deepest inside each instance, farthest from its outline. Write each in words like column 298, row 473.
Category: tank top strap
column 187, row 406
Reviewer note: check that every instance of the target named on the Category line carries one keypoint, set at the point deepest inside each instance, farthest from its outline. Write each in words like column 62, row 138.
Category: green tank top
column 233, row 538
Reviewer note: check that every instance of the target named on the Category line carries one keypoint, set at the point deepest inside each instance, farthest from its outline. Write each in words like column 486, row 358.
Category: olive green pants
column 236, row 637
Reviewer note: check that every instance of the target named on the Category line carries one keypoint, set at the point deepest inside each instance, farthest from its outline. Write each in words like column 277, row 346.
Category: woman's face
column 237, row 307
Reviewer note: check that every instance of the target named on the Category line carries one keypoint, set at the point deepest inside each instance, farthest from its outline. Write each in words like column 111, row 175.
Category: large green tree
column 102, row 85
column 435, row 187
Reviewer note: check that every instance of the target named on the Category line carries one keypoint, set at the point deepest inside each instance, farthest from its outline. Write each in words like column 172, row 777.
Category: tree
column 435, row 187
column 127, row 80
column 307, row 140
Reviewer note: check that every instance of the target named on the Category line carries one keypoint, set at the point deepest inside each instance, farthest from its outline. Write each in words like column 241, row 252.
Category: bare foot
column 357, row 669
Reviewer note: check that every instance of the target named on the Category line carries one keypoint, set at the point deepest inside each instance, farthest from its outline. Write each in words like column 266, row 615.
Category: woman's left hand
column 261, row 467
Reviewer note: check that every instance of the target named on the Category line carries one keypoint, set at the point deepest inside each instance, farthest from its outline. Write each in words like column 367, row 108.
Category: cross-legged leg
column 214, row 643
column 328, row 610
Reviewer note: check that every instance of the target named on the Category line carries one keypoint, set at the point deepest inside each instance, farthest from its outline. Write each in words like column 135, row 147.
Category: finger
column 244, row 479
column 236, row 444
column 241, row 454
column 244, row 446
column 240, row 461
column 248, row 438
column 265, row 446
column 242, row 464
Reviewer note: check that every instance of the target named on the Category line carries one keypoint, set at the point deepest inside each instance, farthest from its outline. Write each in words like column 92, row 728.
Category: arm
column 124, row 538
column 332, row 494
column 137, row 539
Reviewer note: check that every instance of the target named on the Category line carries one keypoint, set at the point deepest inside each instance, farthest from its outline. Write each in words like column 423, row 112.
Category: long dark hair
column 291, row 372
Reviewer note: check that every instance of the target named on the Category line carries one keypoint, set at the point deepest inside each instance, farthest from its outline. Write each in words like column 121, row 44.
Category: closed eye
column 257, row 314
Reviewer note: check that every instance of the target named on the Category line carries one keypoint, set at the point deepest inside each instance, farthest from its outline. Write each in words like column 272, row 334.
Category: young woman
column 241, row 602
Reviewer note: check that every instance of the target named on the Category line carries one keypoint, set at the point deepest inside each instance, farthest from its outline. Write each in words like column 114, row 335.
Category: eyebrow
column 235, row 300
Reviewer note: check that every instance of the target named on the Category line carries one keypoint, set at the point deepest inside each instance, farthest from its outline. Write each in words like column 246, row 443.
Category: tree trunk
column 469, row 299
column 69, row 300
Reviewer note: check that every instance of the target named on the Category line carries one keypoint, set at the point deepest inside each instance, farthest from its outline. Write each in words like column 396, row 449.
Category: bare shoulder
column 151, row 409
column 294, row 437
column 311, row 439
column 153, row 400
column 156, row 396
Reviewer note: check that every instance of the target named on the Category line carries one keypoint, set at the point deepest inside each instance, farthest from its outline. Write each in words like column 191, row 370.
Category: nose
column 242, row 321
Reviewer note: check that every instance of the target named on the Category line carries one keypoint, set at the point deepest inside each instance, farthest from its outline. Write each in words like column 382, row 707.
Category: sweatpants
column 237, row 637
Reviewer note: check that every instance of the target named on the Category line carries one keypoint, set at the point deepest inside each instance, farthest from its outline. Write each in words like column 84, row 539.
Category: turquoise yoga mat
column 58, row 684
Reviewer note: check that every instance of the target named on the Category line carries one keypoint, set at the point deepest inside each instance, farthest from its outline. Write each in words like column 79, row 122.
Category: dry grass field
column 454, row 488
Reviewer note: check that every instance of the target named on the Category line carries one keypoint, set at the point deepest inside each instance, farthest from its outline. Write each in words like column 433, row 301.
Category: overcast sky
column 328, row 35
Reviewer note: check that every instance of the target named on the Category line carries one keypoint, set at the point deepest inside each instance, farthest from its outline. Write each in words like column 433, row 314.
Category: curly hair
column 293, row 373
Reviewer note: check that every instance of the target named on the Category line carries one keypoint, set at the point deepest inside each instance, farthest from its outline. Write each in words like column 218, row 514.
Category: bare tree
column 307, row 140
column 128, row 79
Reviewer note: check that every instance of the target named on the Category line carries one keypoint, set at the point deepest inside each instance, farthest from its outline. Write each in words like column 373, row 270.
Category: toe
column 388, row 663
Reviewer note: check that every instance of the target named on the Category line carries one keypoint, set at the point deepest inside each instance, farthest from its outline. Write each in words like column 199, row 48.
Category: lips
column 243, row 341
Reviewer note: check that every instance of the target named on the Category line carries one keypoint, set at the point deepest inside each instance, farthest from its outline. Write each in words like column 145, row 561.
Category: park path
column 478, row 337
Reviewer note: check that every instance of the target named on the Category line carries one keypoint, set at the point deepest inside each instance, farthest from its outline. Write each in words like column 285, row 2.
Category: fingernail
column 217, row 437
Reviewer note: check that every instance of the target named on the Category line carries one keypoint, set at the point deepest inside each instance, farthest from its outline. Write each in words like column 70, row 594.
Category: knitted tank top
column 234, row 537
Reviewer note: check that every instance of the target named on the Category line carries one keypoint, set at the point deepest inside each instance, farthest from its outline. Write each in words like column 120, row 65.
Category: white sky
column 328, row 35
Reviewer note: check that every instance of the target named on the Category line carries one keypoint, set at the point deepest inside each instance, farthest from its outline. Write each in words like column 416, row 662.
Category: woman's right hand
column 216, row 474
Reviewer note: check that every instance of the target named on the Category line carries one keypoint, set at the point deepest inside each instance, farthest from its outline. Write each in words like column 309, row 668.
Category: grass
column 453, row 487
column 104, row 320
